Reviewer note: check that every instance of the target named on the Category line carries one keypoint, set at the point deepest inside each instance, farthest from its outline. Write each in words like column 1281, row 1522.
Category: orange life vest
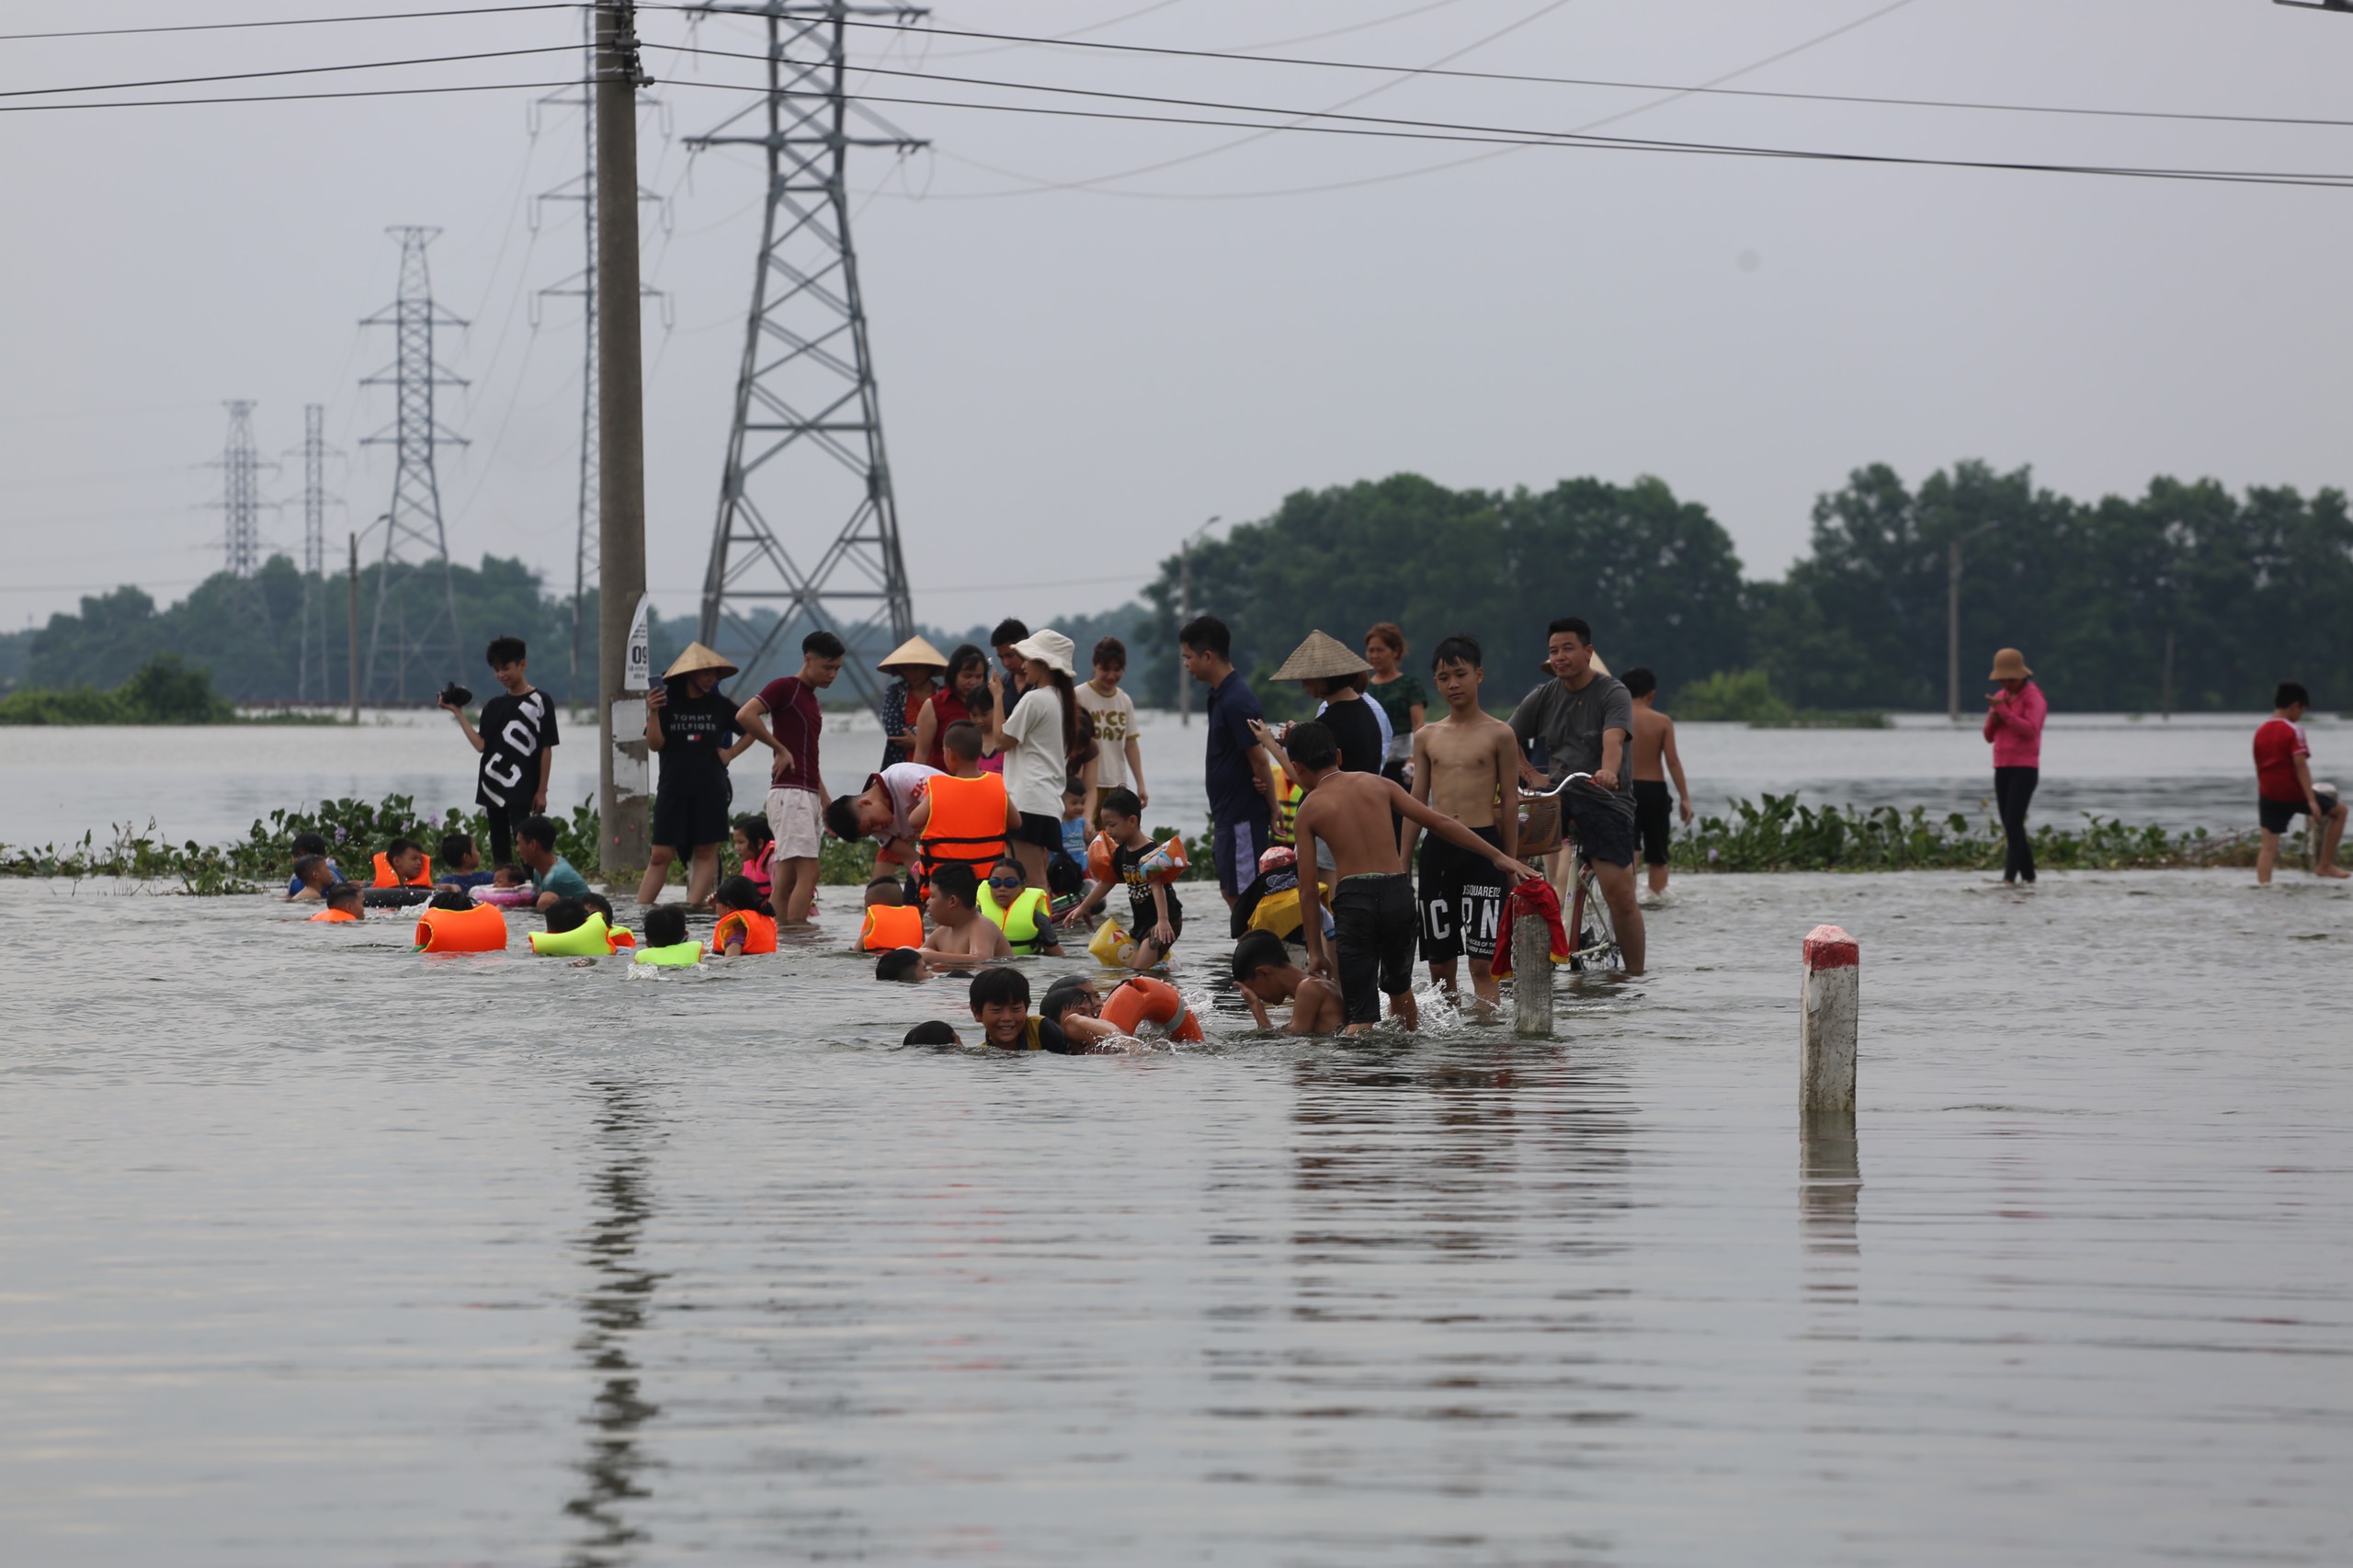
column 331, row 915
column 890, row 926
column 756, row 929
column 480, row 928
column 385, row 878
column 1145, row 1000
column 967, row 823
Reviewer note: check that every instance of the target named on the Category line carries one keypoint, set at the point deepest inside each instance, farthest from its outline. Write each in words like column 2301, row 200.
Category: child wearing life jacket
column 965, row 817
column 1263, row 969
column 741, row 927
column 891, row 922
column 402, row 864
column 1023, row 914
column 344, row 903
column 665, row 938
column 1000, row 1002
column 756, row 854
column 1155, row 911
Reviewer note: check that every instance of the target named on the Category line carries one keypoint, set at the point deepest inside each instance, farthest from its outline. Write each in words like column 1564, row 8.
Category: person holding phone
column 695, row 731
column 2014, row 714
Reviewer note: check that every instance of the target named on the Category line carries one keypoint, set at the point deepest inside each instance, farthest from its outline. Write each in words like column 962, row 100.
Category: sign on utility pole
column 625, row 662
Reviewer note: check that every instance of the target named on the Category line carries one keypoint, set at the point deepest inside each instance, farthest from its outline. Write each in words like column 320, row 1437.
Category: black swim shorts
column 1376, row 926
column 1605, row 832
column 1462, row 898
column 1653, row 818
column 2275, row 815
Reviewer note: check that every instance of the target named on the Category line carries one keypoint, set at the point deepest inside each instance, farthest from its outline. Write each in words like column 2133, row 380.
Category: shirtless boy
column 1465, row 766
column 1372, row 897
column 959, row 934
column 1655, row 758
column 1262, row 968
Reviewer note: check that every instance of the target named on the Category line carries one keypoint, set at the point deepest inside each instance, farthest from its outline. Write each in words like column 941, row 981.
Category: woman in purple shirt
column 2014, row 718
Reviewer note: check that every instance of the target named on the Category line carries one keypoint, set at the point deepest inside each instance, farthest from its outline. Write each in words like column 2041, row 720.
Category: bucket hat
column 695, row 660
column 1050, row 646
column 1322, row 657
column 2009, row 664
column 914, row 654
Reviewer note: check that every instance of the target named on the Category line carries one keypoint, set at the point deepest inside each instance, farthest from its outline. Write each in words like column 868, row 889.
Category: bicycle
column 1593, row 937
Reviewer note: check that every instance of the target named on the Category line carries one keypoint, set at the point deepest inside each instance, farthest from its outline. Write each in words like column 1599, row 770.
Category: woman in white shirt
column 1043, row 739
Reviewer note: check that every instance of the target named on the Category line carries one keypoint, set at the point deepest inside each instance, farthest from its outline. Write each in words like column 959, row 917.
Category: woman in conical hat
column 915, row 669
column 692, row 728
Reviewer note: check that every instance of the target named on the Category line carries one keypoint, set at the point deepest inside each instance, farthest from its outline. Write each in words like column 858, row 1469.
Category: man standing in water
column 1241, row 780
column 1466, row 766
column 1585, row 720
column 1655, row 758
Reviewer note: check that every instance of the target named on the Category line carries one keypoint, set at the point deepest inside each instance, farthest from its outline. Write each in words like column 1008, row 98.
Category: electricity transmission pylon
column 582, row 286
column 423, row 624
column 804, row 455
column 311, row 675
column 241, row 466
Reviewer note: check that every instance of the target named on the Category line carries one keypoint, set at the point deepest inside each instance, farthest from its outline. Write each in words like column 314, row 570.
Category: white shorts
column 798, row 821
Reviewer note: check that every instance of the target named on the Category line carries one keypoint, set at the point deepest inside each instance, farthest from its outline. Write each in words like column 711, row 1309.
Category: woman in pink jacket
column 2014, row 718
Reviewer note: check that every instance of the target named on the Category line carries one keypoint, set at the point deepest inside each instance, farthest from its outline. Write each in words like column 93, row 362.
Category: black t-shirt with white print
column 515, row 731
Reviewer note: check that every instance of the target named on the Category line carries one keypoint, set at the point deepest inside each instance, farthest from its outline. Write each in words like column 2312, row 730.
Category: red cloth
column 2278, row 744
column 1532, row 900
column 2015, row 726
column 795, row 719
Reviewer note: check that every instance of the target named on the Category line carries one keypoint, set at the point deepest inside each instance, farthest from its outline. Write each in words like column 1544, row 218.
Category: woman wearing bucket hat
column 693, row 728
column 916, row 668
column 2014, row 718
column 1045, row 740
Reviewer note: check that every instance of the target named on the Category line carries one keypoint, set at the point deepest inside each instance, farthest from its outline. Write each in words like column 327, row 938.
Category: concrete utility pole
column 351, row 661
column 1952, row 631
column 622, row 763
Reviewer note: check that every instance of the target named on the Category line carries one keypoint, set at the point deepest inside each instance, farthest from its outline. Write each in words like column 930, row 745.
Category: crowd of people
column 1007, row 815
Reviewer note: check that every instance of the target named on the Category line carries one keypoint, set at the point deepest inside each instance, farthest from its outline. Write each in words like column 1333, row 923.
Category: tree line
column 2186, row 596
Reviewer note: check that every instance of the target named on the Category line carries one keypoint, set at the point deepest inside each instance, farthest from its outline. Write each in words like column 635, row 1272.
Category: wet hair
column 1110, row 653
column 1639, row 681
column 822, row 644
column 899, row 964
column 1575, row 623
column 1063, row 994
column 304, row 865
column 566, row 914
column 841, row 819
column 1064, row 877
column 737, row 892
column 1258, row 950
column 455, row 847
column 1008, row 631
column 956, row 880
column 1312, row 746
column 450, row 898
column 1007, row 858
column 2290, row 693
column 539, row 830
column 504, row 650
column 400, row 847
column 999, row 985
column 310, row 843
column 932, row 1031
column 963, row 741
column 598, row 904
column 343, row 894
column 898, row 895
column 1208, row 634
column 756, row 830
column 1119, row 802
column 1389, row 633
column 665, row 925
column 1458, row 649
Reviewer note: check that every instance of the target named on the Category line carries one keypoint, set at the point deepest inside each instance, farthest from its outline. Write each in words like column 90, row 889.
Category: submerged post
column 1829, row 1017
column 1531, row 982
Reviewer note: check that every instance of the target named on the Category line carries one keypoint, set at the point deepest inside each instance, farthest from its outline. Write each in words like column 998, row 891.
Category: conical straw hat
column 694, row 659
column 913, row 653
column 1322, row 657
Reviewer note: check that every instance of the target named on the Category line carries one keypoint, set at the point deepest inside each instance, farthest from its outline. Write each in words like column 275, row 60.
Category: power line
column 286, row 97
column 293, row 21
column 290, row 71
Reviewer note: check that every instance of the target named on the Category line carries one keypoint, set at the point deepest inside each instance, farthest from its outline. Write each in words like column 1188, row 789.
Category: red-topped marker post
column 1830, row 1016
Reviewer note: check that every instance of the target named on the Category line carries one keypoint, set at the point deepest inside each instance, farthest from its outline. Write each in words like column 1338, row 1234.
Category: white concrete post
column 1531, row 979
column 1829, row 1017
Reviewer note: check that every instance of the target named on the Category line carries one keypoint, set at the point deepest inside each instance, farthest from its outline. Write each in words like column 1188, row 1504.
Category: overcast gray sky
column 1078, row 362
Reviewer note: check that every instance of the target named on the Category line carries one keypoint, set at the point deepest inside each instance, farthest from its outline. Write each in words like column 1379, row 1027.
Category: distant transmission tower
column 240, row 465
column 582, row 286
column 419, row 612
column 311, row 679
column 804, row 457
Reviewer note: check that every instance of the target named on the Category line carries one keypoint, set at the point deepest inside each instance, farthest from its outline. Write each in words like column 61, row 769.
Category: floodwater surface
column 321, row 1253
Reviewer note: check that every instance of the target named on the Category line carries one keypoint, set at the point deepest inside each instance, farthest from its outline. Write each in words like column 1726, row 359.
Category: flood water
column 321, row 1253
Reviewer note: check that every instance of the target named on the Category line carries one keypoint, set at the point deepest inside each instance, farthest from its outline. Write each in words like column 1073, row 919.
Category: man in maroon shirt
column 796, row 783
column 2284, row 787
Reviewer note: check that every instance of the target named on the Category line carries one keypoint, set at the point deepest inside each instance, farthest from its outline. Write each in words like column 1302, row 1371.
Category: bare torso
column 976, row 938
column 1469, row 765
column 1350, row 811
column 1652, row 729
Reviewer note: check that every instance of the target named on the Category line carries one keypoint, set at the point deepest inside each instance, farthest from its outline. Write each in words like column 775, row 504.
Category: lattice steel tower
column 804, row 457
column 416, row 597
column 311, row 677
column 241, row 503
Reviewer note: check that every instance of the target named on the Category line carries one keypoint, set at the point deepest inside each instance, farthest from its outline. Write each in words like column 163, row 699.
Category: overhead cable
column 293, row 21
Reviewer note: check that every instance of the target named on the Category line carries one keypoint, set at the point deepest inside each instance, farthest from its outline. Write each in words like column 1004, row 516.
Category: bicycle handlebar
column 1554, row 792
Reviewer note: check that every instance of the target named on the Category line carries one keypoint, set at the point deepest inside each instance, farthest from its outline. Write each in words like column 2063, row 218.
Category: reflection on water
column 615, row 1308
column 1830, row 1182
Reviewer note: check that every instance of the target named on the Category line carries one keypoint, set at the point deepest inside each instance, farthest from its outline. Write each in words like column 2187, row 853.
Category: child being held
column 1000, row 1003
column 959, row 934
column 1156, row 917
column 741, row 927
column 665, row 938
column 1263, row 969
column 344, row 903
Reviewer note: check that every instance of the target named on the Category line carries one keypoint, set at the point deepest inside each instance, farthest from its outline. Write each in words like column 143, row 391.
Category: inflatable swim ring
column 505, row 898
column 1143, row 1000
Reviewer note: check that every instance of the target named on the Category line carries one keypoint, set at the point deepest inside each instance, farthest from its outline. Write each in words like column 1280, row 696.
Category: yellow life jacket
column 1019, row 920
column 890, row 926
column 678, row 955
column 1285, row 828
column 589, row 939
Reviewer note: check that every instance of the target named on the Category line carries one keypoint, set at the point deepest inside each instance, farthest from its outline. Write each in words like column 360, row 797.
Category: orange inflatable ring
column 1143, row 1000
column 1098, row 859
column 482, row 929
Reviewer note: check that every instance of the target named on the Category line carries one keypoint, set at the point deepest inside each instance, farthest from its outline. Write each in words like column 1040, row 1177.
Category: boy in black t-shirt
column 1156, row 917
column 517, row 740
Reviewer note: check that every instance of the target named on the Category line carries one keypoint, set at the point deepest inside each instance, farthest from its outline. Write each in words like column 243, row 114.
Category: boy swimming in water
column 1262, row 968
column 314, row 874
column 307, row 844
column 933, row 1031
column 344, row 903
column 1372, row 898
column 1000, row 1003
column 958, row 934
column 904, row 966
column 1467, row 766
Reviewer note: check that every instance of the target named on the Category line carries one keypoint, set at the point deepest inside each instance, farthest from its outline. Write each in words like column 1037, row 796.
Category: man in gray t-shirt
column 1585, row 720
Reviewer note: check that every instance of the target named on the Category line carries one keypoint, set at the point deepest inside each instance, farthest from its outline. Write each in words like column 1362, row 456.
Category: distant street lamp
column 1185, row 612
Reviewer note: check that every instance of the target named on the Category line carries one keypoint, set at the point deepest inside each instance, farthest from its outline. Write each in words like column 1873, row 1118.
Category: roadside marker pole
column 1829, row 1017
